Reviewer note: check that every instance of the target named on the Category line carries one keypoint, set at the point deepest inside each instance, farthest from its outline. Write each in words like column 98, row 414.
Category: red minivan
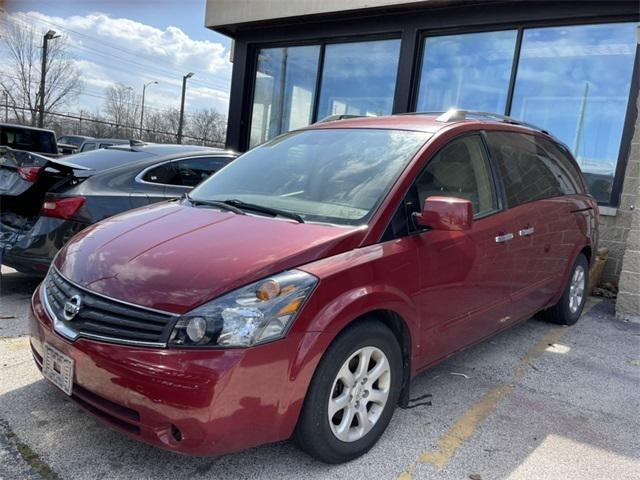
column 298, row 291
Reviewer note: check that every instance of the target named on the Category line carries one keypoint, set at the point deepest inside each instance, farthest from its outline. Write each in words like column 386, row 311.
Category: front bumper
column 198, row 402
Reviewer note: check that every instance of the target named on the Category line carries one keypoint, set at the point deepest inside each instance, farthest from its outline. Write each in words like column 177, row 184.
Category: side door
column 535, row 190
column 190, row 172
column 465, row 277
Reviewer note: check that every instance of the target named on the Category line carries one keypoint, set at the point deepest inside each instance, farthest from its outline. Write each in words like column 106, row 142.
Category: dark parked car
column 29, row 139
column 298, row 291
column 70, row 144
column 75, row 140
column 45, row 202
column 96, row 143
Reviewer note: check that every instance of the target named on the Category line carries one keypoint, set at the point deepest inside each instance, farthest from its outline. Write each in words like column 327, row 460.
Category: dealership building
column 568, row 67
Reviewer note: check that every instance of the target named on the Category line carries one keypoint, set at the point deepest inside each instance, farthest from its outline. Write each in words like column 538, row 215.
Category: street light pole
column 50, row 35
column 184, row 87
column 144, row 87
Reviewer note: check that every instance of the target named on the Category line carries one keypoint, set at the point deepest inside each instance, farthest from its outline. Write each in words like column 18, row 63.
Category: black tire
column 561, row 313
column 313, row 433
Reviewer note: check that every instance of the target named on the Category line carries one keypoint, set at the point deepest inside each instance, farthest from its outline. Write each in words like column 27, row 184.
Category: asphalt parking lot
column 536, row 402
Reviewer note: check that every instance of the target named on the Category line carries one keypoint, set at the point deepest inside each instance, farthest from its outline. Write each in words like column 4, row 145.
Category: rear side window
column 193, row 171
column 185, row 173
column 48, row 143
column 17, row 138
column 87, row 147
column 529, row 171
column 164, row 174
column 568, row 174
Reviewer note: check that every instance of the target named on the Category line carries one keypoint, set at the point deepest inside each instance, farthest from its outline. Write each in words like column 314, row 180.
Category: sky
column 135, row 42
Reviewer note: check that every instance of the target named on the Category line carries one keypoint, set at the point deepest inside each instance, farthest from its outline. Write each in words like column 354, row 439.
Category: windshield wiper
column 268, row 210
column 214, row 203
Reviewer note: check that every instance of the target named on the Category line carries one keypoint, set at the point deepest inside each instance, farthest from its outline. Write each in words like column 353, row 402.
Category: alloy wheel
column 359, row 394
column 576, row 289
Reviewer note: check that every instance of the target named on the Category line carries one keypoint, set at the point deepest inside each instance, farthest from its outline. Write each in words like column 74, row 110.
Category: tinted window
column 528, row 171
column 187, row 173
column 17, row 138
column 165, row 174
column 574, row 81
column 460, row 169
column 359, row 78
column 47, row 143
column 469, row 71
column 107, row 158
column 568, row 174
column 193, row 171
column 330, row 175
column 284, row 91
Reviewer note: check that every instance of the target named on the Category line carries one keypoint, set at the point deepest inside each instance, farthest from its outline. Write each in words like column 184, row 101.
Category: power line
column 112, row 124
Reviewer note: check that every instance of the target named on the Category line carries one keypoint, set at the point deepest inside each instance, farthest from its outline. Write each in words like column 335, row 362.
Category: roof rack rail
column 456, row 115
column 332, row 118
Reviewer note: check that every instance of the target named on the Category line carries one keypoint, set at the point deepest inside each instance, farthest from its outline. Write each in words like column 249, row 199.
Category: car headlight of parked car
column 250, row 315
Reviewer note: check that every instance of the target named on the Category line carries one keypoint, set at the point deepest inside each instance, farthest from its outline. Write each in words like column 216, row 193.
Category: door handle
column 504, row 238
column 526, row 231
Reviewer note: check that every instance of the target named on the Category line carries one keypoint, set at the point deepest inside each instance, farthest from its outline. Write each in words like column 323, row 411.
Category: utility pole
column 6, row 107
column 144, row 87
column 184, row 87
column 50, row 35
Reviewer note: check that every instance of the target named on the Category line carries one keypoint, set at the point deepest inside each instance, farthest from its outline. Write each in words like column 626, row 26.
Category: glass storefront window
column 359, row 78
column 284, row 91
column 574, row 81
column 469, row 71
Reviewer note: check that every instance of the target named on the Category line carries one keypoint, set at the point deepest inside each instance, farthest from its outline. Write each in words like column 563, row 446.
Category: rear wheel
column 353, row 394
column 568, row 310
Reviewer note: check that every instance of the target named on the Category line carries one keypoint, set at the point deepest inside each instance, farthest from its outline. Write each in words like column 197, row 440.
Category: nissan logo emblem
column 72, row 307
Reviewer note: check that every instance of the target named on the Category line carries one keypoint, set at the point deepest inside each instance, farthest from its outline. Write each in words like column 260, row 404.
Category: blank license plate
column 58, row 368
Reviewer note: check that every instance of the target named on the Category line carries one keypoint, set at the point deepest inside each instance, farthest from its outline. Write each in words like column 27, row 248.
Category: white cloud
column 109, row 50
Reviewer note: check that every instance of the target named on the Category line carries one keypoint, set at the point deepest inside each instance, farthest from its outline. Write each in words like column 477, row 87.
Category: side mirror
column 445, row 213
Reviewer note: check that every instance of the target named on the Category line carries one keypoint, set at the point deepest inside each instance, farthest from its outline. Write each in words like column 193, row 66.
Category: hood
column 175, row 257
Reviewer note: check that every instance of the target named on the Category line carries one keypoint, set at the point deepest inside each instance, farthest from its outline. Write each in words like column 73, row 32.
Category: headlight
column 250, row 315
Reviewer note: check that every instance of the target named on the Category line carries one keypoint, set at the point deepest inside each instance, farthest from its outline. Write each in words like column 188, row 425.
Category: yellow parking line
column 466, row 424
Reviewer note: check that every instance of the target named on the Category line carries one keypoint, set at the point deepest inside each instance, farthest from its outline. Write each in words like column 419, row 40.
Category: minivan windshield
column 327, row 175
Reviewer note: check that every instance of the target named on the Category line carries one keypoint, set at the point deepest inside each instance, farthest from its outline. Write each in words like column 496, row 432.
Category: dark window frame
column 322, row 44
column 631, row 113
column 412, row 25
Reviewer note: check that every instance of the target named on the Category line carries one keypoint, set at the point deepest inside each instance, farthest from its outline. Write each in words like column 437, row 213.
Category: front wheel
column 568, row 310
column 353, row 394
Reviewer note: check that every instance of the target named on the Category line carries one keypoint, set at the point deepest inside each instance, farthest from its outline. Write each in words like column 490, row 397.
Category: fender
column 331, row 319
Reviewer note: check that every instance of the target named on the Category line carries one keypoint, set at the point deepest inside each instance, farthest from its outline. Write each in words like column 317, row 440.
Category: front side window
column 574, row 81
column 284, row 91
column 359, row 78
column 461, row 169
column 469, row 71
column 528, row 171
column 327, row 175
column 87, row 147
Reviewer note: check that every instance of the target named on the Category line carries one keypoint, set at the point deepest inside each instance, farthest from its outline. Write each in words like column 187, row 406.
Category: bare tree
column 122, row 108
column 208, row 125
column 20, row 76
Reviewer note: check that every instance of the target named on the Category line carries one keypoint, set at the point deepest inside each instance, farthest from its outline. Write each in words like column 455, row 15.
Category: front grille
column 103, row 318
